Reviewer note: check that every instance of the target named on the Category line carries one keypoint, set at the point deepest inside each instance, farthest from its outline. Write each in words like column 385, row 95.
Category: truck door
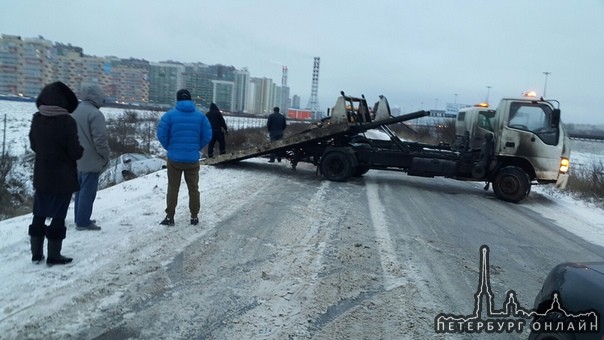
column 532, row 133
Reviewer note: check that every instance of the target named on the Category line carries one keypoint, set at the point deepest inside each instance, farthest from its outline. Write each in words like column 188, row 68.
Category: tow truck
column 520, row 143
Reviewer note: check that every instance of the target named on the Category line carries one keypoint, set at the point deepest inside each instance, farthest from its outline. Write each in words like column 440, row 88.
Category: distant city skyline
column 28, row 63
column 419, row 54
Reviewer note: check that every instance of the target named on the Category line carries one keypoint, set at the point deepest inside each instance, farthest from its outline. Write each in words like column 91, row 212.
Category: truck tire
column 360, row 171
column 511, row 184
column 336, row 166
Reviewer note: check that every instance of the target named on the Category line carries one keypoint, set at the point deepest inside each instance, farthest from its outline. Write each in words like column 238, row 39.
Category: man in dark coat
column 275, row 124
column 218, row 124
column 54, row 139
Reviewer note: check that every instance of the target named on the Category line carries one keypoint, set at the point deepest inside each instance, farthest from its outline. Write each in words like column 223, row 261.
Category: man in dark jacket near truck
column 218, row 125
column 275, row 125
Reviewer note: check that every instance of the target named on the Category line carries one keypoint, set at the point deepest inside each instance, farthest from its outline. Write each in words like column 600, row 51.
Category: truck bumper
column 562, row 181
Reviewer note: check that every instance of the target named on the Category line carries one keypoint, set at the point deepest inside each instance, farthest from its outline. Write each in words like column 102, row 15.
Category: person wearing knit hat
column 183, row 94
column 183, row 131
column 218, row 124
column 54, row 139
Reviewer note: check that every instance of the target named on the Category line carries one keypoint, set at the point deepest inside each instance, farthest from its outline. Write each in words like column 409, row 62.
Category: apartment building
column 26, row 65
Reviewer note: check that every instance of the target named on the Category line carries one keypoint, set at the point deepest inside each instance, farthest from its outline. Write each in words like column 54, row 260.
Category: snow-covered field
column 18, row 118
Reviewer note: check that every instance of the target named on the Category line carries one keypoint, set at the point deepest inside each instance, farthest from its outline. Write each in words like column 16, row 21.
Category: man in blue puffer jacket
column 183, row 132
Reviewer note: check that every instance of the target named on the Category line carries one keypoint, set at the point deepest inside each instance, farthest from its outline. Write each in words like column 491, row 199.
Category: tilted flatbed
column 317, row 134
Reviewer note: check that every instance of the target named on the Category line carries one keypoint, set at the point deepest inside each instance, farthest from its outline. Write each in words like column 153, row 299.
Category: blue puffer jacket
column 183, row 132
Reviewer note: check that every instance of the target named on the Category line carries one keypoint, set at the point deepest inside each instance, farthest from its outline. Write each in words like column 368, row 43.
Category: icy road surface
column 286, row 255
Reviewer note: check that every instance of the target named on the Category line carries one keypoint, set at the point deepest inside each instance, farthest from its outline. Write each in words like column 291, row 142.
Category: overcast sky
column 419, row 53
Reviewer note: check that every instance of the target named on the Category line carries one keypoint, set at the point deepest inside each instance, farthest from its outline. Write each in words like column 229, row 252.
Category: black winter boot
column 54, row 253
column 37, row 231
column 37, row 248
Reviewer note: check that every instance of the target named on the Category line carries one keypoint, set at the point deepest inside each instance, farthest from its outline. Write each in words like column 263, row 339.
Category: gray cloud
column 414, row 52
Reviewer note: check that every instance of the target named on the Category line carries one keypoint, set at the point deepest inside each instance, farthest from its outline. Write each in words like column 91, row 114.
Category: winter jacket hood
column 216, row 119
column 57, row 94
column 183, row 132
column 93, row 94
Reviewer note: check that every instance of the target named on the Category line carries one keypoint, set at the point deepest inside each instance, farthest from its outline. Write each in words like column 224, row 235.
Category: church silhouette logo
column 512, row 317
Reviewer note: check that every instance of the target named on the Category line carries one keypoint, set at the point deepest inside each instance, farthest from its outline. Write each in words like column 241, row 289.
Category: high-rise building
column 295, row 101
column 25, row 65
column 10, row 51
column 261, row 96
column 242, row 84
column 77, row 70
column 165, row 79
column 130, row 80
column 35, row 65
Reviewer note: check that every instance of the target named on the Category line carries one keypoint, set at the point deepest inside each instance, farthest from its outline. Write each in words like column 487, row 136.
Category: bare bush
column 14, row 194
column 588, row 183
column 132, row 132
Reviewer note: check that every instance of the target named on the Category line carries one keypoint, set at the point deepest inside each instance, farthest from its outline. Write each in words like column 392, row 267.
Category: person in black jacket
column 218, row 124
column 275, row 125
column 54, row 139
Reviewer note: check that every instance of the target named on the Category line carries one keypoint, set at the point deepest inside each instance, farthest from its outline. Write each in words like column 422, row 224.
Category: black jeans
column 217, row 136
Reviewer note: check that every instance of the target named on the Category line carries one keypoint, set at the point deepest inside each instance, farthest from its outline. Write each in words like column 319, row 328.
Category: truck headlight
column 564, row 164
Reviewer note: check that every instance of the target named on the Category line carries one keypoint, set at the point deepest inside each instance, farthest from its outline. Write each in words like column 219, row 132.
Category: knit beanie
column 183, row 94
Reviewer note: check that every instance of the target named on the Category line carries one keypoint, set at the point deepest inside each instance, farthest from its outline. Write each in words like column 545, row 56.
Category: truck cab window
column 536, row 118
column 485, row 119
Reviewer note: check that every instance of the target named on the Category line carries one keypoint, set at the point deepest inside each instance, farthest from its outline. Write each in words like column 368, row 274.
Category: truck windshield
column 536, row 118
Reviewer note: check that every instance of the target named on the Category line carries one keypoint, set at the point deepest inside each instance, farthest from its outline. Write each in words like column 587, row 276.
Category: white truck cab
column 524, row 132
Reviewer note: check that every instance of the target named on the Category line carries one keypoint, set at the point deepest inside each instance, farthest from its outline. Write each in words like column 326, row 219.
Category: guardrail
column 585, row 137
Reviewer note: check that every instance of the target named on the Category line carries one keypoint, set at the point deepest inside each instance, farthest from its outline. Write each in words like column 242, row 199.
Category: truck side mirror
column 555, row 118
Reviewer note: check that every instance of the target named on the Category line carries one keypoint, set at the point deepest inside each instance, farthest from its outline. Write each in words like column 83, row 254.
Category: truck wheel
column 511, row 184
column 336, row 166
column 360, row 171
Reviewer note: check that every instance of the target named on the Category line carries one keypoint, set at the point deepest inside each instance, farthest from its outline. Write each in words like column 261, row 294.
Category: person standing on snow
column 217, row 121
column 92, row 132
column 183, row 132
column 275, row 125
column 53, row 137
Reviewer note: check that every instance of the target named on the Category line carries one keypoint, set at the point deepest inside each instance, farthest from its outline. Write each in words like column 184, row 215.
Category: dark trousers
column 175, row 171
column 54, row 206
column 84, row 199
column 273, row 138
column 217, row 136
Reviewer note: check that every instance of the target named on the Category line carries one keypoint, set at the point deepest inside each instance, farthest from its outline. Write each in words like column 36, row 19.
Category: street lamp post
column 545, row 85
column 488, row 92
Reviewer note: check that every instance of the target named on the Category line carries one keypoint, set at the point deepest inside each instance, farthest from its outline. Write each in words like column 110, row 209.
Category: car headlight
column 564, row 165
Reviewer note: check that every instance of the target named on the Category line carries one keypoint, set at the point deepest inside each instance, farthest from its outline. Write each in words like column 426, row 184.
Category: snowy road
column 284, row 254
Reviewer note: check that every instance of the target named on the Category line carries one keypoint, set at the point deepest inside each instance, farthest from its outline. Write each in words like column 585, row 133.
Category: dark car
column 570, row 304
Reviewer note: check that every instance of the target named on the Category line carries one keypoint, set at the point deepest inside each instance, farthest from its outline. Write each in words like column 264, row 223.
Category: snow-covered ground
column 129, row 213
